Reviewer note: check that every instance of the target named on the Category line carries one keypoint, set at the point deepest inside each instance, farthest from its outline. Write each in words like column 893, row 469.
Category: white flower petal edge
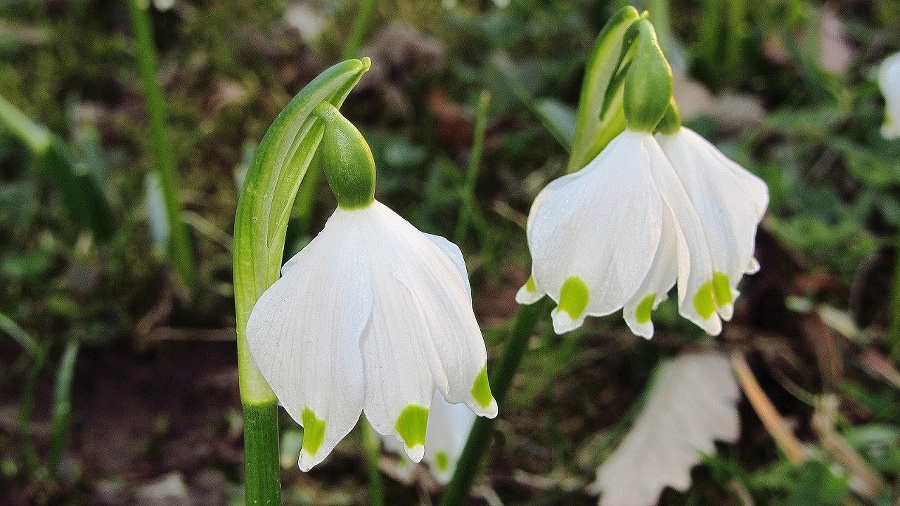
column 593, row 234
column 372, row 315
column 729, row 202
column 693, row 403
column 889, row 82
column 448, row 428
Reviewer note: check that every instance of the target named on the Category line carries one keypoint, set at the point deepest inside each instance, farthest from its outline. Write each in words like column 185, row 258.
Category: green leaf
column 559, row 119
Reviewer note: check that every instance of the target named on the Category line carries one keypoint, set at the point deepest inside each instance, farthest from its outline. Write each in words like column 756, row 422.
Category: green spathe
column 346, row 159
column 648, row 83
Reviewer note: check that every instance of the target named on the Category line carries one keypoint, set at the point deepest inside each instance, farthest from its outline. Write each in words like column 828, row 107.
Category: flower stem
column 894, row 326
column 179, row 242
column 527, row 317
column 261, row 464
column 468, row 191
column 373, row 451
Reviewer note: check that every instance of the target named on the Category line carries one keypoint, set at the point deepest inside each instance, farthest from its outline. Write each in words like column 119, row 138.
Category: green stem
column 894, row 328
column 261, row 464
column 468, row 191
column 179, row 241
column 62, row 405
column 360, row 27
column 501, row 377
column 372, row 443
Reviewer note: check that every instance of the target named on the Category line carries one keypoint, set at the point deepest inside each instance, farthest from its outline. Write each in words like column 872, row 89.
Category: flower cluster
column 647, row 211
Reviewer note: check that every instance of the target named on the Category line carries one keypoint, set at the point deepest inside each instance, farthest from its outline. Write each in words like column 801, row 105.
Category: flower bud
column 648, row 84
column 346, row 159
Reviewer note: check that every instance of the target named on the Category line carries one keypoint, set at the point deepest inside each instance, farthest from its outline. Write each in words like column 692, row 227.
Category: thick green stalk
column 62, row 406
column 261, row 465
column 501, row 376
column 372, row 444
column 271, row 185
column 179, row 241
column 468, row 191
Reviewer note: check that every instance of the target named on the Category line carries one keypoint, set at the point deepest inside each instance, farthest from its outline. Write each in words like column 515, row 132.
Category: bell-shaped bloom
column 889, row 81
column 730, row 202
column 448, row 429
column 372, row 316
column 619, row 233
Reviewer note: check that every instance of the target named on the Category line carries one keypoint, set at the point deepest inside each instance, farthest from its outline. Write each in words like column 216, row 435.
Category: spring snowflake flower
column 619, row 233
column 889, row 81
column 372, row 316
column 448, row 429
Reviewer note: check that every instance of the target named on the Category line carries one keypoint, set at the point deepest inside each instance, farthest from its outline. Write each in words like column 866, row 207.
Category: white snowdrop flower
column 371, row 316
column 609, row 236
column 448, row 429
column 692, row 403
column 889, row 81
column 729, row 202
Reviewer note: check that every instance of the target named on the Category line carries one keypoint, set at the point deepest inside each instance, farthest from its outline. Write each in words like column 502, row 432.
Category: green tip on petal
column 703, row 300
column 313, row 431
column 442, row 461
column 573, row 297
column 530, row 285
column 642, row 313
column 411, row 425
column 481, row 389
column 722, row 288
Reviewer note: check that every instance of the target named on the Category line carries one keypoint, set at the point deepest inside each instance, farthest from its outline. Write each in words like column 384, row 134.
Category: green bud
column 346, row 159
column 648, row 84
column 671, row 120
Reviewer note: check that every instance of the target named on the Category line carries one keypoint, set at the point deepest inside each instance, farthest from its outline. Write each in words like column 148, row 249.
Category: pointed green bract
column 481, row 389
column 313, row 431
column 411, row 425
column 722, row 288
column 644, row 307
column 573, row 297
column 599, row 117
column 703, row 300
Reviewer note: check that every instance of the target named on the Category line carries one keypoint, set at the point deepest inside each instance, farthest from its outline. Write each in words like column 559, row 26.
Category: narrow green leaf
column 62, row 405
column 559, row 119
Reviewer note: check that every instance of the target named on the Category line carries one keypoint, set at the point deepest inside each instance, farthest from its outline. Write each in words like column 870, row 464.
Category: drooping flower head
column 372, row 316
column 646, row 211
column 889, row 81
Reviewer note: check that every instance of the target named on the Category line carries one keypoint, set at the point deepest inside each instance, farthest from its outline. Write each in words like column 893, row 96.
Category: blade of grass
column 19, row 335
column 62, row 406
column 179, row 241
column 27, row 409
column 360, row 27
column 81, row 193
column 468, row 191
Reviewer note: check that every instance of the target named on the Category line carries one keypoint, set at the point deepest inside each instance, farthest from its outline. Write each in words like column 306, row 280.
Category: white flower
column 373, row 315
column 619, row 233
column 730, row 202
column 691, row 404
column 448, row 429
column 889, row 81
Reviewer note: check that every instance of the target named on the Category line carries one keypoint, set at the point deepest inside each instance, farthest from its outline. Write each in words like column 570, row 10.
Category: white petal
column 423, row 332
column 729, row 202
column 692, row 403
column 448, row 429
column 304, row 334
column 657, row 284
column 530, row 292
column 453, row 252
column 600, row 225
column 889, row 82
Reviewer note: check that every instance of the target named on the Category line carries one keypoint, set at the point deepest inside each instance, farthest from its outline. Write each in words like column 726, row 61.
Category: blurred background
column 118, row 380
